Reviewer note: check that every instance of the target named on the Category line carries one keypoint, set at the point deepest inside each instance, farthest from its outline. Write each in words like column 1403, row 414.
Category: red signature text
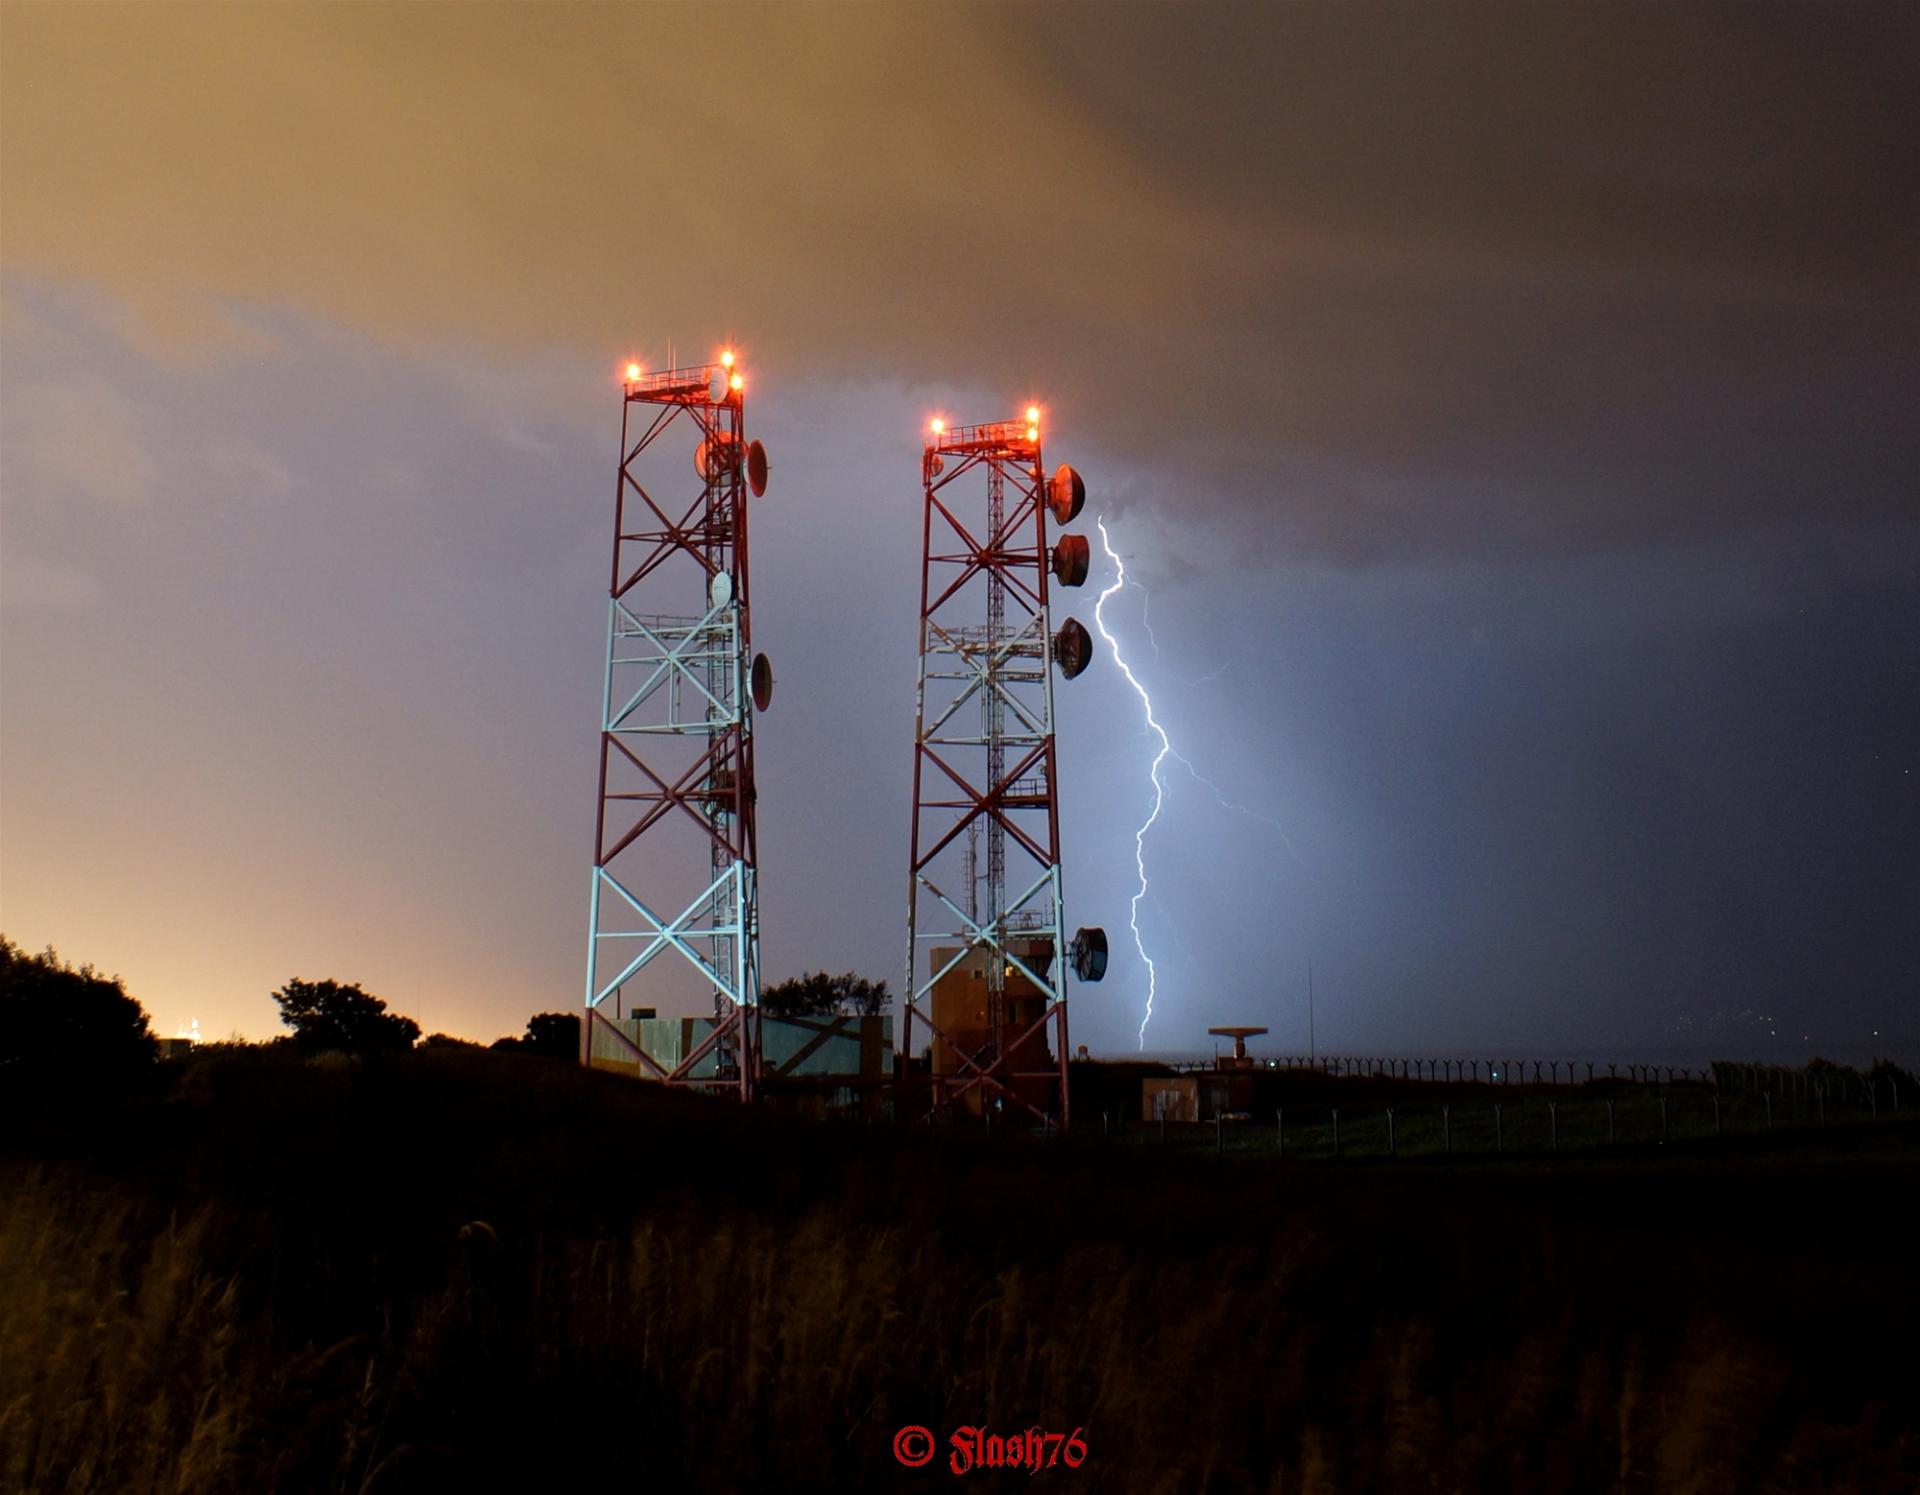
column 1033, row 1449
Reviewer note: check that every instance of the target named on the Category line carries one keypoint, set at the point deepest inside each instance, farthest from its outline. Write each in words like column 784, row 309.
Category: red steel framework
column 985, row 761
column 676, row 741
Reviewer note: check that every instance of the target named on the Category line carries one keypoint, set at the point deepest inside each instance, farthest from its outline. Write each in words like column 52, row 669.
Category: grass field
column 472, row 1270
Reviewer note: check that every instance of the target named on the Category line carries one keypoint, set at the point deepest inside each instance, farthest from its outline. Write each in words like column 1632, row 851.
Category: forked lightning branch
column 1166, row 751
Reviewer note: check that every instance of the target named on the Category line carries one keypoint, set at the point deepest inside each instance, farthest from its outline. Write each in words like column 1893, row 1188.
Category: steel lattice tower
column 676, row 734
column 992, row 992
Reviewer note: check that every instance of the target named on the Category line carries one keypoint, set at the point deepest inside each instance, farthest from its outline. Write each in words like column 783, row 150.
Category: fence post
column 1663, row 1121
column 1553, row 1126
column 1163, row 1124
column 1446, row 1131
column 1768, row 1098
column 1820, row 1094
column 1280, row 1127
column 1873, row 1097
column 1499, row 1136
column 1389, row 1131
column 1219, row 1136
column 1716, row 1113
column 1336, row 1131
column 1104, row 1115
column 1609, row 1123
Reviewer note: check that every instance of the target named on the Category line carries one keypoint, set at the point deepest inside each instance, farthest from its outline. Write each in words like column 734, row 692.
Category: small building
column 1193, row 1097
column 960, row 1011
column 1224, row 1090
column 822, row 1055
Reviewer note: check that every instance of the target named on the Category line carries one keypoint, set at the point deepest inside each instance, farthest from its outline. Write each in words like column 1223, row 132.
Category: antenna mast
column 993, row 995
column 682, row 689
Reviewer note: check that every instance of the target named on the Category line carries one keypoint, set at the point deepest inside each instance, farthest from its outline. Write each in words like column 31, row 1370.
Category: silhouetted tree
column 820, row 995
column 446, row 1041
column 553, row 1035
column 67, row 1027
column 327, row 1015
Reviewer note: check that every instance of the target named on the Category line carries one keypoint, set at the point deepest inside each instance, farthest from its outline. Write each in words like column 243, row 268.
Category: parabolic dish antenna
column 757, row 469
column 1071, row 557
column 1072, row 648
column 1089, row 953
column 1066, row 494
column 720, row 589
column 714, row 457
column 762, row 682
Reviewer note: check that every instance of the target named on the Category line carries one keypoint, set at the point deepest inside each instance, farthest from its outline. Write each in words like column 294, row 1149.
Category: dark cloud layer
column 1391, row 281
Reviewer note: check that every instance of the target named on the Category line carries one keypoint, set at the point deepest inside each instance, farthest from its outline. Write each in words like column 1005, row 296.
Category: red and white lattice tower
column 987, row 950
column 675, row 908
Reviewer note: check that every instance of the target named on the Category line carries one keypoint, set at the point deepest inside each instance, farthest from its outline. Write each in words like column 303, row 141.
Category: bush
column 553, row 1035
column 327, row 1015
column 68, row 1029
column 820, row 995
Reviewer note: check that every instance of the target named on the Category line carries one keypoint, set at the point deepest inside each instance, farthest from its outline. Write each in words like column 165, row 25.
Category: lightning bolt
column 1159, row 789
column 1167, row 750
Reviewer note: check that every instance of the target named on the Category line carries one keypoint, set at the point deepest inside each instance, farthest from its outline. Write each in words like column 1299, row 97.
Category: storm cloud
column 1382, row 280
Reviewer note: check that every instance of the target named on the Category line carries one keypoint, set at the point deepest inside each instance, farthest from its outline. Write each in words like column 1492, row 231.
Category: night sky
column 1510, row 410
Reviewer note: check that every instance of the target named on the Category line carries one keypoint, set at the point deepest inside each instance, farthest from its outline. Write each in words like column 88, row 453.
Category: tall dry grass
column 266, row 1298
